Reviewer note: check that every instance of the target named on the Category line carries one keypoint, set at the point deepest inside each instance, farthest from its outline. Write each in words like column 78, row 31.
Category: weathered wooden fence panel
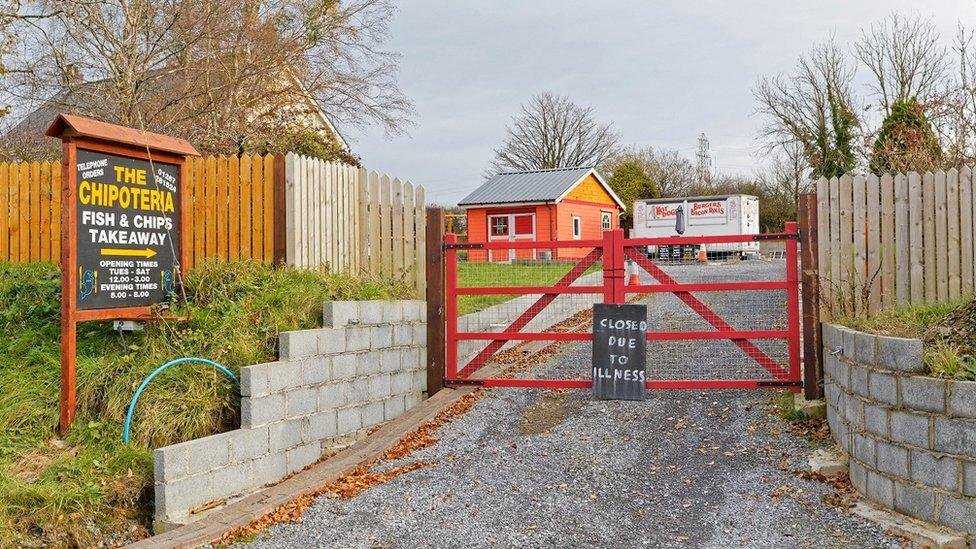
column 896, row 239
column 348, row 220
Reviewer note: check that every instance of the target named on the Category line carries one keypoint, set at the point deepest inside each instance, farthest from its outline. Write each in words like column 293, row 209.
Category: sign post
column 122, row 243
column 619, row 351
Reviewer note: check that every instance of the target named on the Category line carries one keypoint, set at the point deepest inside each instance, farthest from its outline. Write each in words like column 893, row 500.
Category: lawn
column 89, row 488
column 471, row 274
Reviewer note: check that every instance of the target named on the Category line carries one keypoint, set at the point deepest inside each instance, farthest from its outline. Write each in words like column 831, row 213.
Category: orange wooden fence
column 232, row 203
column 30, row 211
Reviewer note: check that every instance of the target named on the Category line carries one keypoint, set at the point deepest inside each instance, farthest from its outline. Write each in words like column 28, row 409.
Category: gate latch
column 462, row 382
column 783, row 236
column 464, row 246
column 779, row 383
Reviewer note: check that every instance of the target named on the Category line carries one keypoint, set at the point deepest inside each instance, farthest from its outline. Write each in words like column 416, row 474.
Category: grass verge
column 946, row 330
column 484, row 273
column 89, row 488
column 904, row 321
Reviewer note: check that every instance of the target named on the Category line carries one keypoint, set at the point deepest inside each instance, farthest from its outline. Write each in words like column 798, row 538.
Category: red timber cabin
column 563, row 204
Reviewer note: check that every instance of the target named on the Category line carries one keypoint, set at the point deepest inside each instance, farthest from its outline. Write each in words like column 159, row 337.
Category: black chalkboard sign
column 128, row 230
column 675, row 253
column 619, row 351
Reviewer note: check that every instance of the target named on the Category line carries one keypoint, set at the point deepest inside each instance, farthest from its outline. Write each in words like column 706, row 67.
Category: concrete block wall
column 367, row 365
column 911, row 438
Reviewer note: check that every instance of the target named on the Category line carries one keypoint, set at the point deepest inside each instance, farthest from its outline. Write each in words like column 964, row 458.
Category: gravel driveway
column 534, row 468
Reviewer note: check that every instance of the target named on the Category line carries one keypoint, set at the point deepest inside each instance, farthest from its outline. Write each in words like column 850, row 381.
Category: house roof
column 85, row 98
column 87, row 127
column 82, row 100
column 533, row 186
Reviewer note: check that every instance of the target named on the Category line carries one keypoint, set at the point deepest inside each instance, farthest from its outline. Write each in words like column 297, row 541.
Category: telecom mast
column 704, row 160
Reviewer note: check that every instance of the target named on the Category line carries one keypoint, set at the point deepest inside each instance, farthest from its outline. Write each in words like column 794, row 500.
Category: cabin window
column 577, row 227
column 606, row 220
column 499, row 225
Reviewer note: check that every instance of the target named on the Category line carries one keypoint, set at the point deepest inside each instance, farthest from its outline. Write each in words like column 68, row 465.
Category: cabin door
column 511, row 227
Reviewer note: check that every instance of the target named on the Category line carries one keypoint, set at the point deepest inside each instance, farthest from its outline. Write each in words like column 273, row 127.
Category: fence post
column 810, row 294
column 436, row 348
column 279, row 209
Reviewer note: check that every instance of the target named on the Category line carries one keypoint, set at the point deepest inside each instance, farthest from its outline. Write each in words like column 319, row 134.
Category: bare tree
column 220, row 72
column 955, row 118
column 906, row 57
column 814, row 107
column 552, row 131
column 788, row 173
column 672, row 173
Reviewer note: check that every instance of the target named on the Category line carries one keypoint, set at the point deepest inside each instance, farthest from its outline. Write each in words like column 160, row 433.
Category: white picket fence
column 351, row 220
column 896, row 239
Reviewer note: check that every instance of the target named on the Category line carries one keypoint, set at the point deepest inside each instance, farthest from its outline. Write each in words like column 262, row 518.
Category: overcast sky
column 661, row 72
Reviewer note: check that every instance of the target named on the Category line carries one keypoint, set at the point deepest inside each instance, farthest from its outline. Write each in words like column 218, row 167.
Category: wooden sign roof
column 87, row 127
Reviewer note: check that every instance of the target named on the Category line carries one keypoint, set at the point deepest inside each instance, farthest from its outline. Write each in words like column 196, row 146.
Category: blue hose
column 145, row 382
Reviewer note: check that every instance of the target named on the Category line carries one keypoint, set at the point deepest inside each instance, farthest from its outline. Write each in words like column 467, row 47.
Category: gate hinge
column 779, row 383
column 782, row 236
column 464, row 246
column 462, row 382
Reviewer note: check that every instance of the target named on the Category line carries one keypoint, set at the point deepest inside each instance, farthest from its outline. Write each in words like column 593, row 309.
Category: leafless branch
column 552, row 131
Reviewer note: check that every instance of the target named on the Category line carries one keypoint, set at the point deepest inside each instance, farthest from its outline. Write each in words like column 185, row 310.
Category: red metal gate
column 720, row 343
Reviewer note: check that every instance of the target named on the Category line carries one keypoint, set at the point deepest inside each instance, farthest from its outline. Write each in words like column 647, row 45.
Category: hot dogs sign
column 128, row 220
column 710, row 208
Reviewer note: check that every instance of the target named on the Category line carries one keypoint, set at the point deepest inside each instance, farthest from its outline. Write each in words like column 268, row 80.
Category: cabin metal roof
column 530, row 186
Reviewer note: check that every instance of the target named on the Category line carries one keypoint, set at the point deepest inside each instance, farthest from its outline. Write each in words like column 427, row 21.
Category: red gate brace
column 747, row 346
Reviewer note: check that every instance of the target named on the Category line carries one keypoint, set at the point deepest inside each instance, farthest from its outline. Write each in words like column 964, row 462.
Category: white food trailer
column 704, row 216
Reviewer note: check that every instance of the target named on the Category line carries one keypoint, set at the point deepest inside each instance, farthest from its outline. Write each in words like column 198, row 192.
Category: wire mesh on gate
column 523, row 287
column 729, row 323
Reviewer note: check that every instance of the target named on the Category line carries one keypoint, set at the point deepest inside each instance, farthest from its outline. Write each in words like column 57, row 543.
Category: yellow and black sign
column 128, row 230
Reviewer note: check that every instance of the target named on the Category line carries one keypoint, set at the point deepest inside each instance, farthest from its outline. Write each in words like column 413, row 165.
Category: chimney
column 71, row 76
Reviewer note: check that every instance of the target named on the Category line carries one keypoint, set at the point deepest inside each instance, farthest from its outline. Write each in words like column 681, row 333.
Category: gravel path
column 533, row 468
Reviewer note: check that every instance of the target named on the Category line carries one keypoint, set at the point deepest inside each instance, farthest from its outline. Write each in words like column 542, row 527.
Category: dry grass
column 907, row 321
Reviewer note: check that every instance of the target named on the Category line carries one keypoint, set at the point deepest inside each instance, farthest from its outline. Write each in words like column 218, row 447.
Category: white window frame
column 608, row 217
column 511, row 236
column 577, row 227
column 508, row 227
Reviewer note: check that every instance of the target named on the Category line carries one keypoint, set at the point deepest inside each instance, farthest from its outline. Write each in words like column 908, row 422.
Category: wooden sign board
column 619, row 351
column 122, row 214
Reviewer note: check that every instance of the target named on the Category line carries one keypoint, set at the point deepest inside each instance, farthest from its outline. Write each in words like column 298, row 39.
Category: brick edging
column 363, row 452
